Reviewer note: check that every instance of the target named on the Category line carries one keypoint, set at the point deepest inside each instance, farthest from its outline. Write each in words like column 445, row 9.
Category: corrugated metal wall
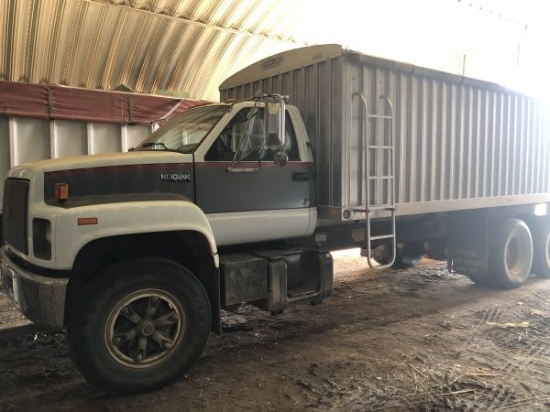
column 457, row 140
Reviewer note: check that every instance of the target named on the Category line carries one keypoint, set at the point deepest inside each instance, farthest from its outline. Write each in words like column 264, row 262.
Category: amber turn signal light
column 61, row 192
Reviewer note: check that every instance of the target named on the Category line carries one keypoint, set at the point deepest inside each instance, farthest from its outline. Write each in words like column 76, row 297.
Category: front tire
column 511, row 254
column 140, row 326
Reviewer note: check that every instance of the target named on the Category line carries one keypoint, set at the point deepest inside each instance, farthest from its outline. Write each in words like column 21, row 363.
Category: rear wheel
column 436, row 249
column 540, row 230
column 140, row 326
column 511, row 254
column 408, row 254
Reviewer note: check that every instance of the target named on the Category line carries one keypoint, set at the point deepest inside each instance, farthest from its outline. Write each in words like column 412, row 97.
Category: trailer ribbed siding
column 460, row 143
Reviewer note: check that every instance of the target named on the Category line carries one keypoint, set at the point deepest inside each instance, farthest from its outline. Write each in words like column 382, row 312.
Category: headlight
column 42, row 238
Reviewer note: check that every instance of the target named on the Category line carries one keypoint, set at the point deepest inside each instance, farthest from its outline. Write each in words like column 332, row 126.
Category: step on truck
column 312, row 150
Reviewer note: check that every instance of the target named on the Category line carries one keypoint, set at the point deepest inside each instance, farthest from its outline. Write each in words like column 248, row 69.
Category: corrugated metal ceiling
column 146, row 44
column 185, row 45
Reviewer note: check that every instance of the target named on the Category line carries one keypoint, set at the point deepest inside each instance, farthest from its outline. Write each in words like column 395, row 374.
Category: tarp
column 71, row 103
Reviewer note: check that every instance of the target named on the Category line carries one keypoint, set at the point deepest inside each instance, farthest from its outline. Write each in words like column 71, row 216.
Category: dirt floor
column 419, row 339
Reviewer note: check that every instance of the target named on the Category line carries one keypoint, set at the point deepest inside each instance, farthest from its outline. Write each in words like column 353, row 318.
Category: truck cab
column 136, row 253
column 238, row 178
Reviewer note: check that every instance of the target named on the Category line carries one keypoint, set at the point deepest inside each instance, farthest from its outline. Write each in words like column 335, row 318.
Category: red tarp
column 71, row 103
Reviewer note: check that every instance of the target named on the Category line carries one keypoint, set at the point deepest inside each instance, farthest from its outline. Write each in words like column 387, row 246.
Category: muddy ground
column 418, row 339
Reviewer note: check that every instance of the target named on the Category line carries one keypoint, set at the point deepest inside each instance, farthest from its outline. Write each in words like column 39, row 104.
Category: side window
column 230, row 140
column 291, row 145
column 249, row 143
column 222, row 148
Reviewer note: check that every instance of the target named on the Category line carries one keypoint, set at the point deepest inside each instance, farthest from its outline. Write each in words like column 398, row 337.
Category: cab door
column 244, row 194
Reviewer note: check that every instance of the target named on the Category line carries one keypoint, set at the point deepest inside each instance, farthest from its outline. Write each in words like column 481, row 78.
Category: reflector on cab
column 87, row 221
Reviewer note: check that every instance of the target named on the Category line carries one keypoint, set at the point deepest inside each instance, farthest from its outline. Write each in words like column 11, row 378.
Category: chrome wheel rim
column 514, row 259
column 144, row 328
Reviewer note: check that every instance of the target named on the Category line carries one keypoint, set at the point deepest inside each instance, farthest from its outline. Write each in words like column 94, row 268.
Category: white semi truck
column 312, row 150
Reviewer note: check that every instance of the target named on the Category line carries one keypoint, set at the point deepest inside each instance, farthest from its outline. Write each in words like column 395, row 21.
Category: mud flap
column 468, row 243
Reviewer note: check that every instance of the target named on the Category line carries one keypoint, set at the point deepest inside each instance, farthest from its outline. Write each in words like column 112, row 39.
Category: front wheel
column 140, row 326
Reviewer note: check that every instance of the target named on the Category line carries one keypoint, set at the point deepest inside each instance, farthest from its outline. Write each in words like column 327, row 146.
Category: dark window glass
column 244, row 135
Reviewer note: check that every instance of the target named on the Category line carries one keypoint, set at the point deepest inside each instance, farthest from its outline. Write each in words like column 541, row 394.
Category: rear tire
column 511, row 254
column 408, row 254
column 436, row 249
column 540, row 230
column 140, row 326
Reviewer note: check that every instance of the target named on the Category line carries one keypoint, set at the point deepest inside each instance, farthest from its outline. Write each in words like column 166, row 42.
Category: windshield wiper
column 149, row 144
column 163, row 147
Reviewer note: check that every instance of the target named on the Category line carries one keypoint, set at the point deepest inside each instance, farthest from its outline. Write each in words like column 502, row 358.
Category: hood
column 99, row 160
column 108, row 178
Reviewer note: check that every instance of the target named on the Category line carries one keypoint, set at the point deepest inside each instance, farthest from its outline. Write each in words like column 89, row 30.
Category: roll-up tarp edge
column 71, row 103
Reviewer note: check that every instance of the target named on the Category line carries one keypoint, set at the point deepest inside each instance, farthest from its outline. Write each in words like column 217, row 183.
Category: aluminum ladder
column 380, row 148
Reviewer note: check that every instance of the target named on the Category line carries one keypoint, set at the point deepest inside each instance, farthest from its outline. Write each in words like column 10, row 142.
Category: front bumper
column 41, row 299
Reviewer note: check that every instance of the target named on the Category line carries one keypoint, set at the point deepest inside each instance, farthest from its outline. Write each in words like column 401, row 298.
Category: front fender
column 68, row 236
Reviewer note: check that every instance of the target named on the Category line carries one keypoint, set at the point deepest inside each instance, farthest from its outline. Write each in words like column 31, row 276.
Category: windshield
column 184, row 132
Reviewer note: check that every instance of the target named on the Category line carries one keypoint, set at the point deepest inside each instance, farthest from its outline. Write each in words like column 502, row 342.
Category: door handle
column 301, row 176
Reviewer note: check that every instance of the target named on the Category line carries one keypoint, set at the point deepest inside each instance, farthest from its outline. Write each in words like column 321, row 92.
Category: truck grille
column 16, row 198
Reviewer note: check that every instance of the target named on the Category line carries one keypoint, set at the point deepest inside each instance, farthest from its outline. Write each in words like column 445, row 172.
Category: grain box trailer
column 135, row 254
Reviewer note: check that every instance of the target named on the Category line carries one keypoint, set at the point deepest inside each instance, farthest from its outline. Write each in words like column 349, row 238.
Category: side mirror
column 281, row 158
column 274, row 119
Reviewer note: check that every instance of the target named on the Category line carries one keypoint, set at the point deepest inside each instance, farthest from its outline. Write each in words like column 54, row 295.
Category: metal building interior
column 189, row 47
column 419, row 337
